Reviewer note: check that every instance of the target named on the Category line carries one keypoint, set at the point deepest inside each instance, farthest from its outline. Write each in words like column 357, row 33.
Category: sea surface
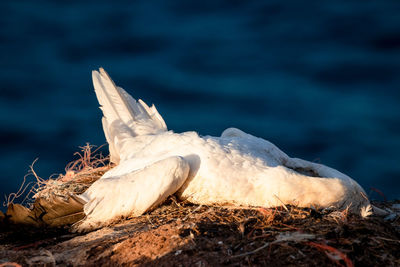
column 320, row 79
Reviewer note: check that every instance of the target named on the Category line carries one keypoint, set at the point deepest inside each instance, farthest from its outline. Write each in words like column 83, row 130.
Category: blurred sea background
column 320, row 79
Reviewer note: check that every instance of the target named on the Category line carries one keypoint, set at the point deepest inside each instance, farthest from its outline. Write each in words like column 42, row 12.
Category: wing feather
column 124, row 117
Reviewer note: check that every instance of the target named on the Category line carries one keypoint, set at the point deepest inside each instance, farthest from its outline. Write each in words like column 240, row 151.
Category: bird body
column 235, row 168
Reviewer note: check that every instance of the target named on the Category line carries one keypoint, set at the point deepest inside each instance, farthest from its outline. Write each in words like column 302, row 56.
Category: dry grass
column 283, row 235
column 286, row 235
column 79, row 174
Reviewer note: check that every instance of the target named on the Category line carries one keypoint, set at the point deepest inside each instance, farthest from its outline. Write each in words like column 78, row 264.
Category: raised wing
column 124, row 117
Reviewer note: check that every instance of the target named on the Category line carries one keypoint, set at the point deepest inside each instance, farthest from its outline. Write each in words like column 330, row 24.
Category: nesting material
column 181, row 233
column 54, row 202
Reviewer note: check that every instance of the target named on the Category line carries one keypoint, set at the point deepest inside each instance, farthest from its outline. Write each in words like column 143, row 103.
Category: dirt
column 183, row 234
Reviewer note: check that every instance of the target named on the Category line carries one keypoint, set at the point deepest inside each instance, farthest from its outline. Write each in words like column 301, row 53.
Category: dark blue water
column 320, row 80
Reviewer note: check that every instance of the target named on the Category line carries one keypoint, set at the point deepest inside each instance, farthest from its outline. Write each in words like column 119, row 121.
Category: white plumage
column 236, row 168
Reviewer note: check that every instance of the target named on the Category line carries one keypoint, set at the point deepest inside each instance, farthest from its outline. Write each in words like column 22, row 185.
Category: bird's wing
column 133, row 193
column 124, row 117
column 259, row 147
column 256, row 146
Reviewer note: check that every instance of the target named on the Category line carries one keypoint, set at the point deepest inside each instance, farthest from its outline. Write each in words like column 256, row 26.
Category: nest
column 54, row 202
column 194, row 234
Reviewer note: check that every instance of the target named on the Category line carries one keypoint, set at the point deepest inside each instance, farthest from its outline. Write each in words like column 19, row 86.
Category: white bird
column 235, row 168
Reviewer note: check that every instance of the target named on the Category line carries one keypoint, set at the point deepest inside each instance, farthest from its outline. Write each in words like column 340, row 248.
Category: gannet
column 236, row 168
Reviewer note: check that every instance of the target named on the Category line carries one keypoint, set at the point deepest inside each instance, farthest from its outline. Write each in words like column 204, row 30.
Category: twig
column 148, row 218
column 387, row 239
column 252, row 252
column 39, row 180
column 196, row 209
column 333, row 250
column 11, row 197
column 282, row 203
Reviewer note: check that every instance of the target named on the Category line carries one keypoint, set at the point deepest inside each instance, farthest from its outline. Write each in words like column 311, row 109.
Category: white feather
column 123, row 115
column 236, row 168
column 133, row 193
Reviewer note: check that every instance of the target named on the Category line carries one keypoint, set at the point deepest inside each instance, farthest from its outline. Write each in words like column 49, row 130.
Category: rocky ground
column 183, row 234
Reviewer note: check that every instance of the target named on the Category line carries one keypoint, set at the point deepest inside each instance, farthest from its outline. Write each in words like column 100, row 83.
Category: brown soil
column 183, row 234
